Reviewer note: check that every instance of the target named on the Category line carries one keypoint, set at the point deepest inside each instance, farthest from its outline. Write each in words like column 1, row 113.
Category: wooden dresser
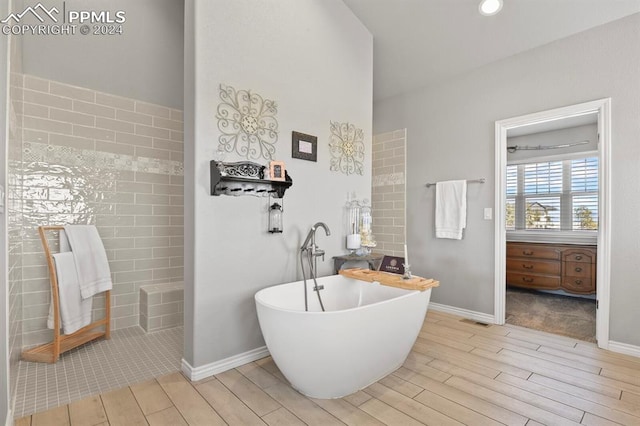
column 571, row 268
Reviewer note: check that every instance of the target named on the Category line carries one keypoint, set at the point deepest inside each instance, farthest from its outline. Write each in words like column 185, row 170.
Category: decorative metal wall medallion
column 248, row 123
column 346, row 145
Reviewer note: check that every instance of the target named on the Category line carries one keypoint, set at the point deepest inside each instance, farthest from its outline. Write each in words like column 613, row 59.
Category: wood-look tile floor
column 458, row 372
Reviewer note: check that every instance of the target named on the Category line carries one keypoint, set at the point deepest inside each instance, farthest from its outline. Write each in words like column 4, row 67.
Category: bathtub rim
column 277, row 308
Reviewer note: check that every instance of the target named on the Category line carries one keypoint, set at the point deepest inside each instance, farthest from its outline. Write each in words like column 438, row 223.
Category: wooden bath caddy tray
column 392, row 280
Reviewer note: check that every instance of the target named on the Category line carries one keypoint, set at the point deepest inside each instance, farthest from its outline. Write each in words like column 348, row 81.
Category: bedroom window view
column 553, row 195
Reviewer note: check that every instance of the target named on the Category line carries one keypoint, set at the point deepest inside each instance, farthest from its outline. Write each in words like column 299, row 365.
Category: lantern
column 275, row 218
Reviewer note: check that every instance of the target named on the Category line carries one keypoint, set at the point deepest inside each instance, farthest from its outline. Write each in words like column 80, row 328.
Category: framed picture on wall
column 304, row 146
column 276, row 170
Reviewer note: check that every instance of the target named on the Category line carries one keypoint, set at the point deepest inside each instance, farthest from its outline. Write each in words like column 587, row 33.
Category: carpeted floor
column 565, row 315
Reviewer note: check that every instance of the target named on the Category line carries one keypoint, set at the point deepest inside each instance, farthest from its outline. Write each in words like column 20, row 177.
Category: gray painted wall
column 189, row 167
column 588, row 132
column 314, row 58
column 145, row 62
column 451, row 136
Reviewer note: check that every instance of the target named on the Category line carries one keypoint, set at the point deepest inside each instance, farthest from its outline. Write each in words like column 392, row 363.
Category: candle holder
column 407, row 272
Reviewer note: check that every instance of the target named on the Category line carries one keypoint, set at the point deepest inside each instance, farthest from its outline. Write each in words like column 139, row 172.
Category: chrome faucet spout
column 323, row 226
column 312, row 235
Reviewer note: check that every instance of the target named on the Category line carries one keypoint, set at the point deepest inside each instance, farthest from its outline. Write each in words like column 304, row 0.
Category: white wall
column 451, row 136
column 314, row 58
column 144, row 62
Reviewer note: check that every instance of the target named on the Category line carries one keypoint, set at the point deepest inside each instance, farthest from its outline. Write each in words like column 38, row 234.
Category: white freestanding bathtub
column 366, row 332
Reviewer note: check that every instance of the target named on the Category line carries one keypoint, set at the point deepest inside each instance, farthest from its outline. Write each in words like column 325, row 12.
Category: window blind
column 553, row 195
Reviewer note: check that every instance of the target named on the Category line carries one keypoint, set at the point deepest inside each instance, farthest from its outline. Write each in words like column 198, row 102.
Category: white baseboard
column 465, row 313
column 198, row 373
column 624, row 348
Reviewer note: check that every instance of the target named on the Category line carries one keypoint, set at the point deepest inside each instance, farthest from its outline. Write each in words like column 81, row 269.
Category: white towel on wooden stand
column 75, row 312
column 92, row 265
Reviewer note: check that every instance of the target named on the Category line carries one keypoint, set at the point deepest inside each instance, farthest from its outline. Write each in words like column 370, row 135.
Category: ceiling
column 422, row 42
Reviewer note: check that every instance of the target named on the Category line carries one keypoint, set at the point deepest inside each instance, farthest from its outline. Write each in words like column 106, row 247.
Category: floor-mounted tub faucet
column 310, row 248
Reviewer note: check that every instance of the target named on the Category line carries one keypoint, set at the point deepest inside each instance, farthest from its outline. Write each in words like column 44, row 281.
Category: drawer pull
column 578, row 269
column 578, row 282
column 578, row 257
column 527, row 252
column 527, row 279
column 527, row 266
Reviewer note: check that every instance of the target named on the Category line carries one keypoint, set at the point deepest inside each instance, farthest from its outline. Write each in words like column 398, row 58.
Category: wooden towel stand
column 50, row 352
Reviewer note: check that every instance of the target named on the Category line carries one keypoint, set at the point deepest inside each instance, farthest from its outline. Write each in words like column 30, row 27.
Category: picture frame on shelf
column 304, row 147
column 276, row 170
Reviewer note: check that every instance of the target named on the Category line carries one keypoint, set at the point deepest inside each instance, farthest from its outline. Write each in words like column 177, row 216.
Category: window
column 553, row 195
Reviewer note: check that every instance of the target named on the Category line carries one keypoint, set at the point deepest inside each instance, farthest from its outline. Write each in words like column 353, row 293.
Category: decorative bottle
column 352, row 223
column 367, row 240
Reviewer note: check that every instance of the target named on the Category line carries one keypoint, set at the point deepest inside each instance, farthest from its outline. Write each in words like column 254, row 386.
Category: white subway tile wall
column 86, row 157
column 388, row 191
column 14, row 226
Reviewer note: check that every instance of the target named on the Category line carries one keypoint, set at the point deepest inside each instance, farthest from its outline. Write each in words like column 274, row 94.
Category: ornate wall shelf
column 245, row 178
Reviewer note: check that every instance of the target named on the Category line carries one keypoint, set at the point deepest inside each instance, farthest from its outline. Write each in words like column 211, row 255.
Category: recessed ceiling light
column 490, row 7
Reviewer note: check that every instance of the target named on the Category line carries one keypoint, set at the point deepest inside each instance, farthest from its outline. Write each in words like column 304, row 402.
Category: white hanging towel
column 451, row 209
column 91, row 261
column 64, row 242
column 75, row 312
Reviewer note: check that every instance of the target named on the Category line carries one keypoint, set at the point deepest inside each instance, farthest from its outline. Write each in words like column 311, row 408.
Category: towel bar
column 481, row 180
column 50, row 352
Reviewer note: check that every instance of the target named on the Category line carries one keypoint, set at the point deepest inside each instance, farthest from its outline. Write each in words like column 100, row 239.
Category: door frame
column 602, row 107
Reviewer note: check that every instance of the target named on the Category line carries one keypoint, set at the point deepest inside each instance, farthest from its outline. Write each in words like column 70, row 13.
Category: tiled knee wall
column 88, row 157
column 161, row 306
column 388, row 191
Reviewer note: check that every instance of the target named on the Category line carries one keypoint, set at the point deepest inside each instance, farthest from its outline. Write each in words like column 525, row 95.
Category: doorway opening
column 548, row 227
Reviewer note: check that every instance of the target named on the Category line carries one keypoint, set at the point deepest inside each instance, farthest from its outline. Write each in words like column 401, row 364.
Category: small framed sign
column 392, row 264
column 304, row 146
column 276, row 170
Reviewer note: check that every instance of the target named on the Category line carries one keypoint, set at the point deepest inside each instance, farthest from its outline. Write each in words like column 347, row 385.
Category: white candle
column 406, row 255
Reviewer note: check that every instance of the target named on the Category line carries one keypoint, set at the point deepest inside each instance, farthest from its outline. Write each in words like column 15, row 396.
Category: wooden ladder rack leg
column 50, row 352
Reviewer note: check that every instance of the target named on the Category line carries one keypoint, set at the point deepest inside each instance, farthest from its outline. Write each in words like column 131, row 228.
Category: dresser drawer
column 577, row 269
column 533, row 266
column 579, row 285
column 532, row 251
column 579, row 255
column 533, row 281
column 548, row 266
